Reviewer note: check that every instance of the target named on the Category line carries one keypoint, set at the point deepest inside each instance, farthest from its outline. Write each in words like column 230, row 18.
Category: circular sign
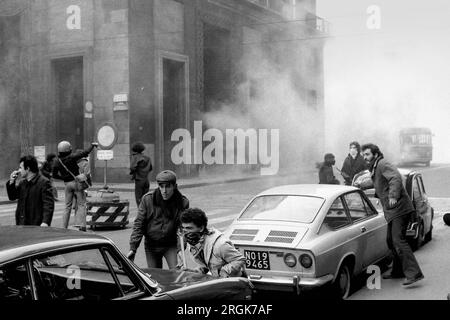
column 89, row 107
column 107, row 136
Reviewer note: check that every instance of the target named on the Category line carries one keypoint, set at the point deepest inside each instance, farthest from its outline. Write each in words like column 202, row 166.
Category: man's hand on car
column 190, row 270
column 131, row 255
column 392, row 202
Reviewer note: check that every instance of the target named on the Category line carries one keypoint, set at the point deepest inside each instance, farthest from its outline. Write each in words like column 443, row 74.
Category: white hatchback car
column 303, row 236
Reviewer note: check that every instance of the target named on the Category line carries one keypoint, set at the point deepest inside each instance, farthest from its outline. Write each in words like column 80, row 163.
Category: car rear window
column 283, row 207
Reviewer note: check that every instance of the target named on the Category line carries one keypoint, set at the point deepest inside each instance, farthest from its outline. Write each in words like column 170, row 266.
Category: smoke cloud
column 379, row 81
column 279, row 77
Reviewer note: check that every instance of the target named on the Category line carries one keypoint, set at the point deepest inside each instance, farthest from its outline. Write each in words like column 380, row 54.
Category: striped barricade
column 107, row 214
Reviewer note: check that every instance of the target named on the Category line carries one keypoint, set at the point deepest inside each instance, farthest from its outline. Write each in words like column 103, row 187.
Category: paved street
column 222, row 202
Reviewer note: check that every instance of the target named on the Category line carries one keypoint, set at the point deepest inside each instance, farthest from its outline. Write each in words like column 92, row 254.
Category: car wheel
column 342, row 283
column 429, row 234
column 416, row 243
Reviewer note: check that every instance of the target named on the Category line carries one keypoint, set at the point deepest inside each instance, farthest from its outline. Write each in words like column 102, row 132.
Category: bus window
column 416, row 145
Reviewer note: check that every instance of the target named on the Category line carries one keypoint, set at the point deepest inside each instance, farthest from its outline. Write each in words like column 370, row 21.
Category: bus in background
column 416, row 146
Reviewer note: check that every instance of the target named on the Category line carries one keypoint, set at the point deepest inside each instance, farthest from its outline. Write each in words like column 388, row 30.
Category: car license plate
column 257, row 260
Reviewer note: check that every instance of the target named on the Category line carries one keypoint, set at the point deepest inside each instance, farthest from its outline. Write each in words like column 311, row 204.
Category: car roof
column 20, row 241
column 313, row 190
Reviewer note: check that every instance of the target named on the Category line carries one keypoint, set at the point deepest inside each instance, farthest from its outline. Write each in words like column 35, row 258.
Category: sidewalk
column 183, row 183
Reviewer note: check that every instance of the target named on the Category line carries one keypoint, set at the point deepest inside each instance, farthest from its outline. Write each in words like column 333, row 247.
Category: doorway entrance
column 173, row 105
column 69, row 100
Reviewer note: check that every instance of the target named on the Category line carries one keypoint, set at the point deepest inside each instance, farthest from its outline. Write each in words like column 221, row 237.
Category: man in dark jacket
column 326, row 175
column 158, row 221
column 353, row 164
column 140, row 167
column 398, row 208
column 35, row 204
column 68, row 161
column 47, row 171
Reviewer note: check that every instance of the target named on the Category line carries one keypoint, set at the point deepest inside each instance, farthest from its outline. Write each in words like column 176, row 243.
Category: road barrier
column 107, row 214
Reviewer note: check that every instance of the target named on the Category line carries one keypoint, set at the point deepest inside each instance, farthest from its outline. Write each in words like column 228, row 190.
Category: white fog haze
column 191, row 150
column 274, row 106
column 379, row 81
column 275, row 95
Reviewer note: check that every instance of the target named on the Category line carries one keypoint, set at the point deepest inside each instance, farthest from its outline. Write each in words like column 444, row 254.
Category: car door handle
column 363, row 229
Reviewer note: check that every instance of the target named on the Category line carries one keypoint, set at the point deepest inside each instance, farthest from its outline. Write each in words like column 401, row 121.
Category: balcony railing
column 288, row 9
column 319, row 24
column 285, row 8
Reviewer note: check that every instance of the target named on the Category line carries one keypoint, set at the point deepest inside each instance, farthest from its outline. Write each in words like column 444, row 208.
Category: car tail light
column 305, row 260
column 289, row 260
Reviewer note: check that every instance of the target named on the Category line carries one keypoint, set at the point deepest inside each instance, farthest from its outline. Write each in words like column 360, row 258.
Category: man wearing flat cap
column 158, row 221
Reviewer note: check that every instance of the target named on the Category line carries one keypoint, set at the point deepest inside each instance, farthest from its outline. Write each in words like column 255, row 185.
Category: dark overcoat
column 35, row 200
column 387, row 181
column 352, row 166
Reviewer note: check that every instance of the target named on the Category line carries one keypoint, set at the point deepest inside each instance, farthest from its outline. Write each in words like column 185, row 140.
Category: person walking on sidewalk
column 158, row 220
column 209, row 248
column 397, row 208
column 33, row 191
column 47, row 171
column 66, row 169
column 140, row 167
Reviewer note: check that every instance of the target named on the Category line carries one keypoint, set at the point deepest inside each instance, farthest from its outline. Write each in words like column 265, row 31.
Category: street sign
column 120, row 102
column 105, row 154
column 39, row 153
column 107, row 136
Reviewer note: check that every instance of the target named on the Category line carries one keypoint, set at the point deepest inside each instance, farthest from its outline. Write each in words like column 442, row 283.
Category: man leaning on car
column 208, row 247
column 397, row 208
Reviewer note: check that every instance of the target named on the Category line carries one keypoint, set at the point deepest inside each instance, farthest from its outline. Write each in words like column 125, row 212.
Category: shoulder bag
column 80, row 180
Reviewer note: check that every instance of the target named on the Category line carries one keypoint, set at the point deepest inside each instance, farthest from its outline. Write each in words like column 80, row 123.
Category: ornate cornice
column 10, row 8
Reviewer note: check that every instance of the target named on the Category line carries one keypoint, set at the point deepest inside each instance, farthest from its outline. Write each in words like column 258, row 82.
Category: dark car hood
column 175, row 279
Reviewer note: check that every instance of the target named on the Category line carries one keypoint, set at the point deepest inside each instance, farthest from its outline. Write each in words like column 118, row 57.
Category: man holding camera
column 33, row 191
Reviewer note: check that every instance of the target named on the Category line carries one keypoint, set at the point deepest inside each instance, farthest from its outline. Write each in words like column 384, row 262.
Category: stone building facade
column 147, row 66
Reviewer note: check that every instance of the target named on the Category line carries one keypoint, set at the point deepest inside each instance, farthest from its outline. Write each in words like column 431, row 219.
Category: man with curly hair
column 397, row 208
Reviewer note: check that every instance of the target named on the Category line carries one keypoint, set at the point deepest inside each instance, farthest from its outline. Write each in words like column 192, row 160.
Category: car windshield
column 283, row 207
